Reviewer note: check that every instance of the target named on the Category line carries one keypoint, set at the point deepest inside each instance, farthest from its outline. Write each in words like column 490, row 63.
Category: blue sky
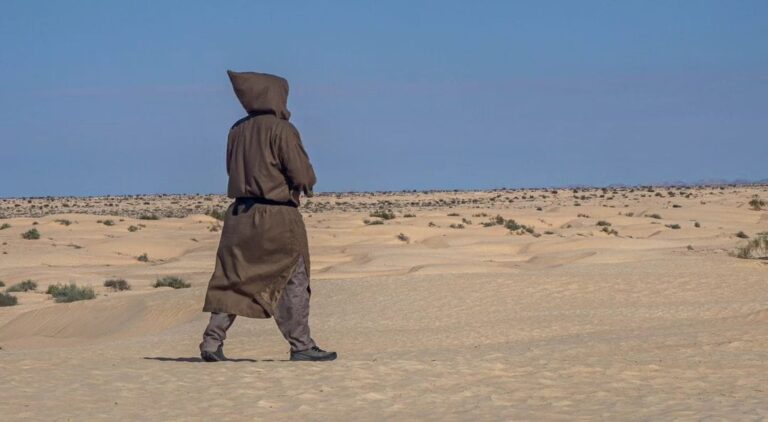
column 115, row 97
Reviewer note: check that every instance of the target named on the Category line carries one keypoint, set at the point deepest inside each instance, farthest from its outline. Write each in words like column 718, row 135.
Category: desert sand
column 453, row 320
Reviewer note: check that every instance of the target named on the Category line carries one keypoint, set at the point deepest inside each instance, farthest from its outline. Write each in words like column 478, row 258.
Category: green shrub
column 117, row 284
column 108, row 223
column 133, row 228
column 368, row 222
column 454, row 214
column 171, row 281
column 404, row 237
column 456, row 226
column 148, row 217
column 516, row 228
column 5, row 226
column 216, row 213
column 673, row 226
column 143, row 257
column 383, row 214
column 696, row 224
column 31, row 234
column 756, row 248
column 8, row 300
column 24, row 286
column 609, row 230
column 63, row 222
column 603, row 223
column 65, row 293
column 656, row 216
column 742, row 235
column 409, row 215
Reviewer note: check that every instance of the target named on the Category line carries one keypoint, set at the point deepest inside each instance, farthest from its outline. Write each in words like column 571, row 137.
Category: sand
column 473, row 323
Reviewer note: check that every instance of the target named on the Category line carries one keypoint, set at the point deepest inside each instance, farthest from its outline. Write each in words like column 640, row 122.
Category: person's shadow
column 199, row 360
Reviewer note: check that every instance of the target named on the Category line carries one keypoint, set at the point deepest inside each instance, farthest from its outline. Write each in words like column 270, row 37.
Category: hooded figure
column 262, row 264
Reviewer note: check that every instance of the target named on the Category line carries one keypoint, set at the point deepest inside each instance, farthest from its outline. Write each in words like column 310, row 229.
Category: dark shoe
column 217, row 356
column 314, row 354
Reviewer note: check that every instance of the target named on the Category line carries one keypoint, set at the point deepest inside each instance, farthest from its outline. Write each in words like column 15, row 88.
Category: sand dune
column 472, row 323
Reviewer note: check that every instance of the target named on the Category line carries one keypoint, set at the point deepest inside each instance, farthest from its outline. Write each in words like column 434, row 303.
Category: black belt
column 249, row 201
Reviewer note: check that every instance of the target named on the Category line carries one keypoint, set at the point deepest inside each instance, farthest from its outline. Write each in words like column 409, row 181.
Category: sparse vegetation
column 756, row 248
column 514, row 227
column 465, row 221
column 63, row 221
column 673, row 226
column 117, row 284
column 603, row 223
column 609, row 230
column 5, row 226
column 108, row 223
column 65, row 293
column 217, row 213
column 24, row 286
column 756, row 203
column 383, row 214
column 456, row 226
column 368, row 222
column 696, row 224
column 31, row 234
column 403, row 238
column 454, row 214
column 8, row 300
column 133, row 228
column 171, row 281
column 409, row 215
column 148, row 217
column 494, row 221
column 742, row 235
column 431, row 224
column 143, row 257
column 656, row 216
column 2, row 284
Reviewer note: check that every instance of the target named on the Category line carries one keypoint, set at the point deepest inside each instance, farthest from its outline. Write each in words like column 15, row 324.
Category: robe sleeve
column 295, row 163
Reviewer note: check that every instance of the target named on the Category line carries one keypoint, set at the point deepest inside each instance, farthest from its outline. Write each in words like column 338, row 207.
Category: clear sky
column 122, row 97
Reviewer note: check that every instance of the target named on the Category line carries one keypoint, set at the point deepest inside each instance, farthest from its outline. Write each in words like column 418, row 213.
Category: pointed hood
column 261, row 93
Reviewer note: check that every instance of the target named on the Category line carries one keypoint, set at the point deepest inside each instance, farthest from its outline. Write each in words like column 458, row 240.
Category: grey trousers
column 291, row 316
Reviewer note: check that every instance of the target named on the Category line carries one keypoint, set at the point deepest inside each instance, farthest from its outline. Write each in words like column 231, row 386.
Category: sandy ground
column 473, row 323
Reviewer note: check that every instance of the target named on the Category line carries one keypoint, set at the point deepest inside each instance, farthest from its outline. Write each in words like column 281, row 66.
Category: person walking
column 262, row 263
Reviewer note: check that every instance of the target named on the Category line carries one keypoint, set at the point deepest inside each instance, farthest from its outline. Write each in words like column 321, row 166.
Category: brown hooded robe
column 261, row 244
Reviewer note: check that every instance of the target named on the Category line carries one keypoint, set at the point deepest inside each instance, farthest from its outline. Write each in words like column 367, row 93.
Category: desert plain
column 624, row 303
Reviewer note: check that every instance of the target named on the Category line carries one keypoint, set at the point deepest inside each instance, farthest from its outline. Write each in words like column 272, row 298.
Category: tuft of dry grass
column 756, row 248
